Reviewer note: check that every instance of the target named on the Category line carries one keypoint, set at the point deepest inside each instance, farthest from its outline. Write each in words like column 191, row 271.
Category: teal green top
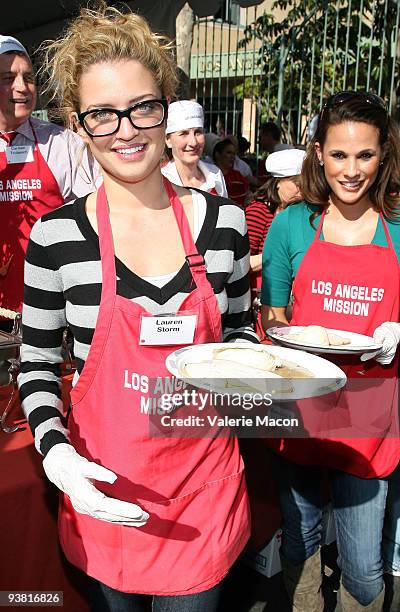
column 288, row 238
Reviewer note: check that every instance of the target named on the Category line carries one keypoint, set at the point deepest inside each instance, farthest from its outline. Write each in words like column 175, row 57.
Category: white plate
column 327, row 376
column 358, row 342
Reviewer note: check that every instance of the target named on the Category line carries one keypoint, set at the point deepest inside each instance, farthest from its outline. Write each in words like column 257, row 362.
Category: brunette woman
column 237, row 185
column 343, row 237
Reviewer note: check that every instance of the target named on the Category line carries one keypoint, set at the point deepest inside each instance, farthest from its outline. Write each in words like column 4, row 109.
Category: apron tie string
column 8, row 137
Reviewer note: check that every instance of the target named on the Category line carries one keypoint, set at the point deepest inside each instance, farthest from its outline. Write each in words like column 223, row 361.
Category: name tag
column 19, row 154
column 163, row 330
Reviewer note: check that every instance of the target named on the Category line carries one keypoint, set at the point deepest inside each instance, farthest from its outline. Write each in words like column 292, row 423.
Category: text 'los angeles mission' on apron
column 193, row 489
column 28, row 190
column 327, row 272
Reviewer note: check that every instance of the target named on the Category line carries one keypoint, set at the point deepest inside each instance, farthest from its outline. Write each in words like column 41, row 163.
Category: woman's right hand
column 73, row 474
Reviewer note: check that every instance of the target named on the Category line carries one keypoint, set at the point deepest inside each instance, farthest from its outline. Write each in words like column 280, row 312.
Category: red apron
column 28, row 190
column 237, row 186
column 193, row 489
column 352, row 288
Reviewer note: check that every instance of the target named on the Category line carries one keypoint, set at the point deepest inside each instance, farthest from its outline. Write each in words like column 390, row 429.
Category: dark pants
column 105, row 599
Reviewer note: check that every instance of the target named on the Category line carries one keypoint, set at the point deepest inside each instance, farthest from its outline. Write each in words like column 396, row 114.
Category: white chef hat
column 9, row 43
column 285, row 163
column 184, row 115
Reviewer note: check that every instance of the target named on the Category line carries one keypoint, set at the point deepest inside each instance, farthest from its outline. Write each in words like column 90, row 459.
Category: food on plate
column 336, row 340
column 201, row 369
column 249, row 357
column 318, row 335
column 224, row 368
column 235, row 375
column 289, row 369
column 257, row 360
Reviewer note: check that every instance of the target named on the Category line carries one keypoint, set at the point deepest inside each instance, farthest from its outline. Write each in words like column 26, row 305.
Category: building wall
column 219, row 65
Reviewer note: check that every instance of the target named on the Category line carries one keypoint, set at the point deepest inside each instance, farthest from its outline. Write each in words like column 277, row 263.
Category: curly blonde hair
column 103, row 34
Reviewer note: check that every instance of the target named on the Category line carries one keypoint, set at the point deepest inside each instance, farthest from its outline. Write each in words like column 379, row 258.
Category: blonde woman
column 160, row 517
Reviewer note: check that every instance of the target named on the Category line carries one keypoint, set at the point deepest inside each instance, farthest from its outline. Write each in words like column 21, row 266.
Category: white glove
column 387, row 334
column 73, row 474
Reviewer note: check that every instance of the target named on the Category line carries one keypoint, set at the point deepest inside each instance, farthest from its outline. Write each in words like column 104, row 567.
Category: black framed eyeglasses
column 106, row 121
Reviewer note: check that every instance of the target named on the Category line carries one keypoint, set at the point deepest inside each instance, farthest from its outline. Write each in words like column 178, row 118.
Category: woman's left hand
column 387, row 334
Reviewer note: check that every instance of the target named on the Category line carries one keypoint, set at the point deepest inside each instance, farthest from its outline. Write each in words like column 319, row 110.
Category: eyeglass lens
column 105, row 121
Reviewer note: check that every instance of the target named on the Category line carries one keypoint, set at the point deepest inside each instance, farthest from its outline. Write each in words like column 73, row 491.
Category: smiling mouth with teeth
column 130, row 150
column 351, row 185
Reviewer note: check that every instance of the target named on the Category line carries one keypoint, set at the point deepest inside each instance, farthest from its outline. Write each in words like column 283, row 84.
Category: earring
column 381, row 163
column 321, row 163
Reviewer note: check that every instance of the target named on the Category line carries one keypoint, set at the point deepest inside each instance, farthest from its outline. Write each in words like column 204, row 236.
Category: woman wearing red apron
column 185, row 138
column 339, row 252
column 145, row 516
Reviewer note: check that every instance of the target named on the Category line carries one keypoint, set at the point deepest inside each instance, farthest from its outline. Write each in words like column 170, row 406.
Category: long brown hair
column 362, row 108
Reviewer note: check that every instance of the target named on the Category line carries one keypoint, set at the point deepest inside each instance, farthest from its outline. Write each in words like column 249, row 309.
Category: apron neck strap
column 106, row 244
column 194, row 260
column 8, row 137
column 177, row 207
column 320, row 224
column 385, row 229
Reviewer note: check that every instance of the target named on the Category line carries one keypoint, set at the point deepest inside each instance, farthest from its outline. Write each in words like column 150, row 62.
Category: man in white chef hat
column 185, row 137
column 41, row 168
